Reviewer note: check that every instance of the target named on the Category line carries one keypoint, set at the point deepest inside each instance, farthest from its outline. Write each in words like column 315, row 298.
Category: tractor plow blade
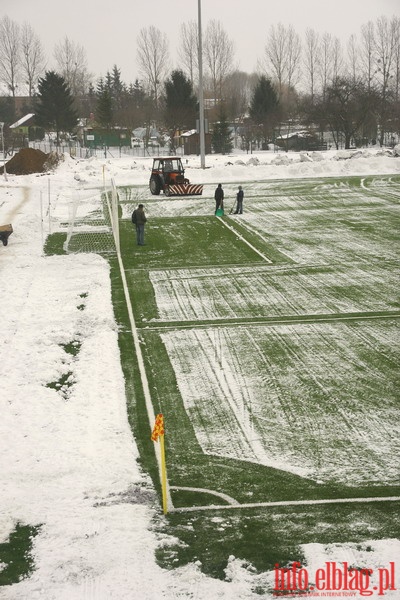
column 184, row 189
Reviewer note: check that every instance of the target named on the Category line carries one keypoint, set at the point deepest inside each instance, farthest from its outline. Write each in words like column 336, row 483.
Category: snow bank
column 68, row 461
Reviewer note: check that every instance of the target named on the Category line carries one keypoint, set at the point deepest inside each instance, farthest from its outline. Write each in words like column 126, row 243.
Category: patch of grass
column 264, row 537
column 184, row 241
column 54, row 244
column 72, row 348
column 16, row 554
column 63, row 384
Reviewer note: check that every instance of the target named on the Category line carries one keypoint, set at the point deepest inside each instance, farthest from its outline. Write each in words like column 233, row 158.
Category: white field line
column 300, row 320
column 142, row 370
column 228, row 499
column 248, row 265
column 143, row 376
column 244, row 240
column 286, row 503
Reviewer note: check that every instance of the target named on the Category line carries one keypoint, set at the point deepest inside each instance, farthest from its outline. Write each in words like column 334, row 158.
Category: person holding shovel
column 239, row 201
column 219, row 198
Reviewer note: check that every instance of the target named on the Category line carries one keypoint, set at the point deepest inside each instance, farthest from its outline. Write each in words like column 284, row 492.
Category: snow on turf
column 239, row 386
column 256, row 291
column 68, row 462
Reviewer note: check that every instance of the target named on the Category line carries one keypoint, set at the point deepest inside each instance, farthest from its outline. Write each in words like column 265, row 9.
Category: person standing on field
column 239, row 201
column 139, row 219
column 219, row 198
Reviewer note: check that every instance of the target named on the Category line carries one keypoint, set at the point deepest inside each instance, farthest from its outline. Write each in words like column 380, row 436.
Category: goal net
column 93, row 222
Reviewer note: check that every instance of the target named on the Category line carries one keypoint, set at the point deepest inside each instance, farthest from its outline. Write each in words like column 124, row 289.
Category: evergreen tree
column 100, row 86
column 180, row 103
column 138, row 94
column 104, row 111
column 142, row 107
column 7, row 110
column 264, row 107
column 109, row 81
column 118, row 88
column 54, row 105
column 221, row 138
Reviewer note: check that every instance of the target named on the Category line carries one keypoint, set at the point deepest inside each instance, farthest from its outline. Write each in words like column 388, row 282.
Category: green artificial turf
column 303, row 289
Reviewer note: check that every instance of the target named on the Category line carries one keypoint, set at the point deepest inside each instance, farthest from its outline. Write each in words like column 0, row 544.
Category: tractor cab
column 168, row 175
column 170, row 169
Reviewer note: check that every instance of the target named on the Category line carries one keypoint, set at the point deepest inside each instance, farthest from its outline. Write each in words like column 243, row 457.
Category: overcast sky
column 108, row 29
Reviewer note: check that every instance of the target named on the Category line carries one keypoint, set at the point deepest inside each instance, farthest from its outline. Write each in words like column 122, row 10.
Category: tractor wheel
column 155, row 186
column 166, row 190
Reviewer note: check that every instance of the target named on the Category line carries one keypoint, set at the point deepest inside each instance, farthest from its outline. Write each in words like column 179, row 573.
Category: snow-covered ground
column 68, row 461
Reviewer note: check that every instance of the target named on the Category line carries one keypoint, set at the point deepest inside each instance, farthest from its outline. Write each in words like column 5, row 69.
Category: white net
column 93, row 222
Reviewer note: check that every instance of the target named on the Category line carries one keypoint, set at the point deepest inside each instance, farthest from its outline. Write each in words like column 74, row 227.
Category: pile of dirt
column 28, row 161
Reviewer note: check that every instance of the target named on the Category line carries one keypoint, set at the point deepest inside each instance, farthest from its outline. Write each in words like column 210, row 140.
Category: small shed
column 25, row 128
column 191, row 142
column 298, row 141
column 97, row 137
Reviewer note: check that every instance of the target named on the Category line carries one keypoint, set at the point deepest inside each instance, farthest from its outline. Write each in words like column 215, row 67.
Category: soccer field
column 270, row 344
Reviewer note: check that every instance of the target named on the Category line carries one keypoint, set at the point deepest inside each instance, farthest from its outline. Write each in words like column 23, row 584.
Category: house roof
column 294, row 134
column 189, row 133
column 22, row 120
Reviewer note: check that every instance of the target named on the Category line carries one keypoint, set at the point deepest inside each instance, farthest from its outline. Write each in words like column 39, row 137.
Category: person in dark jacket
column 219, row 198
column 139, row 219
column 239, row 201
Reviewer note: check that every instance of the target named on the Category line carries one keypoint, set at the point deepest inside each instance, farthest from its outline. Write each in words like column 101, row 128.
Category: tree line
column 351, row 91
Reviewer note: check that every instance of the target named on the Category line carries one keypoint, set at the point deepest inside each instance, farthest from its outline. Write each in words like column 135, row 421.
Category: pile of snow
column 68, row 461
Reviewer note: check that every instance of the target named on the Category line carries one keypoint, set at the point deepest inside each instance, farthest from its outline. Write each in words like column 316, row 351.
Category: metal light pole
column 201, row 97
column 4, row 155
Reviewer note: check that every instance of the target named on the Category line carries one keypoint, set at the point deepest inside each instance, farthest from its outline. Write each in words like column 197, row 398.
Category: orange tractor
column 168, row 175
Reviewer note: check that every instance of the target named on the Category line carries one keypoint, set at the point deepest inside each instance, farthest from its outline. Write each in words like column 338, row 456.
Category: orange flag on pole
column 158, row 432
column 158, row 428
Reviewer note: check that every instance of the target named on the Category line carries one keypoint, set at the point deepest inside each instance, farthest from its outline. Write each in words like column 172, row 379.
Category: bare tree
column 153, row 57
column 396, row 66
column 385, row 46
column 346, row 109
column 386, row 41
column 326, row 62
column 337, row 59
column 367, row 49
column 238, row 87
column 72, row 64
column 293, row 50
column 283, row 55
column 311, row 57
column 32, row 57
column 275, row 52
column 218, row 53
column 10, row 56
column 353, row 58
column 189, row 49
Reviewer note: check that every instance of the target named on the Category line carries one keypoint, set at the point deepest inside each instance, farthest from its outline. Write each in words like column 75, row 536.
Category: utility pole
column 201, row 97
column 4, row 154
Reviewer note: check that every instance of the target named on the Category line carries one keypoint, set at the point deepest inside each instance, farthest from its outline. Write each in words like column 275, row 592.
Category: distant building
column 145, row 136
column 299, row 140
column 24, row 130
column 191, row 142
column 99, row 137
